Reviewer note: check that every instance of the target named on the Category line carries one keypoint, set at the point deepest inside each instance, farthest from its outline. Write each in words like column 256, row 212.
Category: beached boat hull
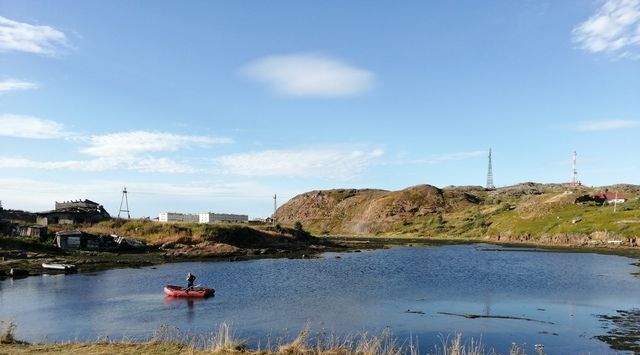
column 177, row 291
column 62, row 267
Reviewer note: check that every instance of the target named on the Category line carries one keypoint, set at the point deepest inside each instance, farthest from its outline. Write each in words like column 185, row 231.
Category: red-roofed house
column 611, row 198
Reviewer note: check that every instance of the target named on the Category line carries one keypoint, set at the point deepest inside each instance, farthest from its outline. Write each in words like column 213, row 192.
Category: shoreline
column 631, row 252
column 87, row 262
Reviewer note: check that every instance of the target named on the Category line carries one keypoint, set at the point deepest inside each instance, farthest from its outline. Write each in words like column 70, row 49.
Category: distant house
column 73, row 212
column 34, row 230
column 610, row 198
column 77, row 240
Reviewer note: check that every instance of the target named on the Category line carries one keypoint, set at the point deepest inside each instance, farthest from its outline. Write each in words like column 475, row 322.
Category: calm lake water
column 368, row 291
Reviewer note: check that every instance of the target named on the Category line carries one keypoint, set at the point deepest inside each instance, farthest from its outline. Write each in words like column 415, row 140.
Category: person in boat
column 190, row 279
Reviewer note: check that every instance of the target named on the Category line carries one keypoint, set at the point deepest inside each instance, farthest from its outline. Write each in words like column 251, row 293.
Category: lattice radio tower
column 124, row 201
column 574, row 170
column 490, row 174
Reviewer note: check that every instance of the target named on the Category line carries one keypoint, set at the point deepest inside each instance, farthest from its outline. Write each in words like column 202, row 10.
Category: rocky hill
column 524, row 211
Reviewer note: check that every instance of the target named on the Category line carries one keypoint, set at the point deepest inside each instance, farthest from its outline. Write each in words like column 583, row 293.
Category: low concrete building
column 80, row 204
column 177, row 217
column 211, row 217
column 35, row 231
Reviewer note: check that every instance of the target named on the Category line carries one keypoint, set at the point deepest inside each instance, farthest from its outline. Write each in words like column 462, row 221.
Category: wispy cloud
column 29, row 127
column 607, row 125
column 134, row 143
column 457, row 156
column 614, row 28
column 23, row 37
column 328, row 163
column 146, row 164
column 14, row 85
column 126, row 150
column 309, row 75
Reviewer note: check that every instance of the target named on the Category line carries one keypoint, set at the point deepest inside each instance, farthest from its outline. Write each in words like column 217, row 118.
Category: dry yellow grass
column 99, row 349
column 171, row 341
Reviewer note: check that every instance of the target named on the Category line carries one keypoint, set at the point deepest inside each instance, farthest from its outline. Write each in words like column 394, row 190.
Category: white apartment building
column 177, row 217
column 211, row 217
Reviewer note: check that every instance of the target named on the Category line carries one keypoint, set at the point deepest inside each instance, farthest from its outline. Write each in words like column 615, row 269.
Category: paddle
column 192, row 288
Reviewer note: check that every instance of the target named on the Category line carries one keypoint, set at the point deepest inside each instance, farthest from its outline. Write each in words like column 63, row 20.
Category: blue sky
column 216, row 106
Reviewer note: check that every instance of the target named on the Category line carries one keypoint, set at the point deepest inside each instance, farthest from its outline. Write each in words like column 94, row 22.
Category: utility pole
column 124, row 200
column 615, row 203
column 574, row 179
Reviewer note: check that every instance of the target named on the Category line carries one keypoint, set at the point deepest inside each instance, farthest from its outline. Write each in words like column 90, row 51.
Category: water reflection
column 190, row 303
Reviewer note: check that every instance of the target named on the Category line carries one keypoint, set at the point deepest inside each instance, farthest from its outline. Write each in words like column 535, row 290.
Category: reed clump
column 224, row 341
column 8, row 333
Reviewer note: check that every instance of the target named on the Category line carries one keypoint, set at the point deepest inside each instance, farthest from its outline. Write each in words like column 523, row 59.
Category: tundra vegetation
column 534, row 213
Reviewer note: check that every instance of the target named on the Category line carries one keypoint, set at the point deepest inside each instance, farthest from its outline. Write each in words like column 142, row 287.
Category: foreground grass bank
column 171, row 341
column 99, row 349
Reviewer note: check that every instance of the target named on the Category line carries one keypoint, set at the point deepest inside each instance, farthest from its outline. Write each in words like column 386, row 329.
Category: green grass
column 527, row 216
column 560, row 221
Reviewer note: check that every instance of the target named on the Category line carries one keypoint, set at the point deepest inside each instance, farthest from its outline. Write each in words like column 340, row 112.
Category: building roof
column 64, row 233
column 610, row 196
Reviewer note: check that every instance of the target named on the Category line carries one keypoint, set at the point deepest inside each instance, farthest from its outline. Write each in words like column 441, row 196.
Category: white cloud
column 128, row 150
column 614, row 28
column 19, row 36
column 29, row 127
column 308, row 75
column 607, row 125
column 330, row 163
column 458, row 156
column 130, row 144
column 12, row 85
column 148, row 164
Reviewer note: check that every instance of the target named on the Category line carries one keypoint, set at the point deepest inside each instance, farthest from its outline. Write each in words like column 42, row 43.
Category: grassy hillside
column 524, row 212
column 157, row 234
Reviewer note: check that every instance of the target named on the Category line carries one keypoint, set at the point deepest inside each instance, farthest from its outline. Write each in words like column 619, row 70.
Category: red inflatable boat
column 177, row 291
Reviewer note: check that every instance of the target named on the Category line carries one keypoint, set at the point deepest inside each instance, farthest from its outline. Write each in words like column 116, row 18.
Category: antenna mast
column 490, row 185
column 275, row 207
column 574, row 170
column 124, row 200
